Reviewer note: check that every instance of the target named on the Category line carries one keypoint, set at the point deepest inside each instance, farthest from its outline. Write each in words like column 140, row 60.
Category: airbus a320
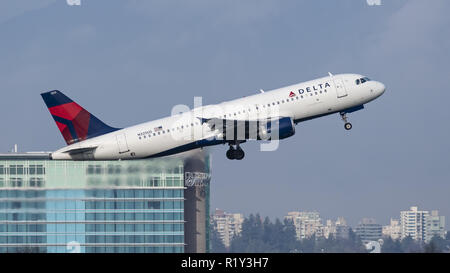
column 270, row 115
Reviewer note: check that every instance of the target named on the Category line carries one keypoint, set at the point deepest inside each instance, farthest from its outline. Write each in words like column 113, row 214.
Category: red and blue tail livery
column 73, row 121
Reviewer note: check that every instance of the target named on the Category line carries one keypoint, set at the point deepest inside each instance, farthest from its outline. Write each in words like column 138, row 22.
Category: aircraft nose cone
column 380, row 88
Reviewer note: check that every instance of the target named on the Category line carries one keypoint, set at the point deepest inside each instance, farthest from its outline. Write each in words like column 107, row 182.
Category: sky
column 131, row 61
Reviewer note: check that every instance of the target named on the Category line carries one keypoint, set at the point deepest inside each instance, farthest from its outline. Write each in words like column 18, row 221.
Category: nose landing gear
column 347, row 125
column 235, row 153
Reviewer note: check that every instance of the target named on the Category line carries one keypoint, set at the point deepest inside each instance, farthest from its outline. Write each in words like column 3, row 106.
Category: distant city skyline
column 131, row 61
column 313, row 217
column 420, row 225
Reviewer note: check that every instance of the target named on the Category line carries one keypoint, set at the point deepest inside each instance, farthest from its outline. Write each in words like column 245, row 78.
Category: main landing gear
column 347, row 125
column 235, row 153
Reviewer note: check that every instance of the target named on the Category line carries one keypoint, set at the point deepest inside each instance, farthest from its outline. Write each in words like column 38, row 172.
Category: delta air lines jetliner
column 269, row 116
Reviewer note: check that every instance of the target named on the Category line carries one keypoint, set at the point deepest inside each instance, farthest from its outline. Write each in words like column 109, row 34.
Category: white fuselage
column 186, row 131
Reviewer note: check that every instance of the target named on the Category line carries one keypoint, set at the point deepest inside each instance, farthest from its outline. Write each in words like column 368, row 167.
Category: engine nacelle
column 279, row 128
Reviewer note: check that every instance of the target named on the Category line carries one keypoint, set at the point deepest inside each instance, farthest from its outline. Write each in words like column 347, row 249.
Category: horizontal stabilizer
column 81, row 150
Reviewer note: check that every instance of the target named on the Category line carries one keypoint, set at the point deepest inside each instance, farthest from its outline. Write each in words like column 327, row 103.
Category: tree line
column 265, row 236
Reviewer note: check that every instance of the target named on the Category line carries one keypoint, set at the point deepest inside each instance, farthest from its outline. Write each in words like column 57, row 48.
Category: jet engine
column 278, row 128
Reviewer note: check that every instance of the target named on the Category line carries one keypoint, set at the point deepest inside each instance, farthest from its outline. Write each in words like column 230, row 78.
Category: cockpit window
column 362, row 80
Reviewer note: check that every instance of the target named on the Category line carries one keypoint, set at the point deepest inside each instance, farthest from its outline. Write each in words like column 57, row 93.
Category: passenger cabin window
column 357, row 81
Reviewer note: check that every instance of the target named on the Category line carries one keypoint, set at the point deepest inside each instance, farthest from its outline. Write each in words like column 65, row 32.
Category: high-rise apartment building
column 306, row 223
column 435, row 226
column 338, row 229
column 228, row 225
column 393, row 230
column 414, row 223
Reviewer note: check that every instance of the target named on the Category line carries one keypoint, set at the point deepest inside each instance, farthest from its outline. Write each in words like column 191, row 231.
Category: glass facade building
column 133, row 206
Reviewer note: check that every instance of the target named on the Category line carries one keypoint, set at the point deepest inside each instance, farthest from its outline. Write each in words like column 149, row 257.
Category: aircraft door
column 122, row 143
column 340, row 87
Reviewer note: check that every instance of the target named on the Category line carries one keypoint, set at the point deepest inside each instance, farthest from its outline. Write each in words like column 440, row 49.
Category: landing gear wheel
column 239, row 154
column 235, row 153
column 348, row 126
column 231, row 153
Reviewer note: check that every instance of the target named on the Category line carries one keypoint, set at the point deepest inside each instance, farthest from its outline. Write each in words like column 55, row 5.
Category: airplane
column 269, row 116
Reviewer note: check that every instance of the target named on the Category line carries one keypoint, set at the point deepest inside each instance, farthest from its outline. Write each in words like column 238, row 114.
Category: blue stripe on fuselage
column 189, row 146
column 348, row 110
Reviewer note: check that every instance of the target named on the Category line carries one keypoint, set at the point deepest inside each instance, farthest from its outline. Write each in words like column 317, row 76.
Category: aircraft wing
column 232, row 129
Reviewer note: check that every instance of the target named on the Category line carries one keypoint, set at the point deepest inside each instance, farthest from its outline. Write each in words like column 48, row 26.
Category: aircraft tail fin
column 74, row 122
